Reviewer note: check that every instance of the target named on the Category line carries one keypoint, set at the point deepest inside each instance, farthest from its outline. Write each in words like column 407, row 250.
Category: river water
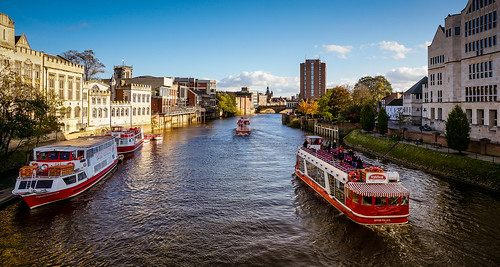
column 205, row 197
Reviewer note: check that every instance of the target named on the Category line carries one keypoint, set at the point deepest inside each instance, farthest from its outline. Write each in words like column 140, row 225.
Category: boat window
column 64, row 155
column 366, row 200
column 44, row 184
column 53, row 155
column 404, row 200
column 82, row 176
column 73, row 154
column 380, row 201
column 393, row 201
column 355, row 198
column 332, row 184
column 26, row 184
column 69, row 180
column 339, row 192
column 81, row 153
column 348, row 194
column 43, row 156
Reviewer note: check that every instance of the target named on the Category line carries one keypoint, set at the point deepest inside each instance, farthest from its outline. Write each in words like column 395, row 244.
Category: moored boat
column 148, row 137
column 65, row 169
column 370, row 195
column 127, row 140
column 158, row 137
column 243, row 126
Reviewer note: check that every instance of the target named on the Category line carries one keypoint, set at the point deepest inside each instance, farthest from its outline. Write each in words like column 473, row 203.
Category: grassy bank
column 463, row 168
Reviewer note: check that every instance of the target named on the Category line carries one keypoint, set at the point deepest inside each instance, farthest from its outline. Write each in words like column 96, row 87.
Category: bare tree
column 86, row 58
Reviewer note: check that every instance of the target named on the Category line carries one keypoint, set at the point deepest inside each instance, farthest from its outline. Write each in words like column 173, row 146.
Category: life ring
column 44, row 167
column 34, row 164
column 352, row 177
column 71, row 163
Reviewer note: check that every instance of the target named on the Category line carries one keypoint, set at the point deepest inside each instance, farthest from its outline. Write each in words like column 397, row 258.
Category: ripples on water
column 204, row 196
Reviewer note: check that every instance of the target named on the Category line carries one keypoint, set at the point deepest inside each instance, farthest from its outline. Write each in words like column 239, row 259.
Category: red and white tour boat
column 243, row 126
column 148, row 137
column 65, row 169
column 127, row 140
column 367, row 196
column 158, row 137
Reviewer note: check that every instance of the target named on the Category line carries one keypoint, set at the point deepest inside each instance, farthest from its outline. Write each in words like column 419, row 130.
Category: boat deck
column 329, row 158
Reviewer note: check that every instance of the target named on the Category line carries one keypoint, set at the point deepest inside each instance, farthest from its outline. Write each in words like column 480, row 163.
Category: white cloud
column 399, row 49
column 425, row 45
column 340, row 50
column 403, row 78
column 258, row 81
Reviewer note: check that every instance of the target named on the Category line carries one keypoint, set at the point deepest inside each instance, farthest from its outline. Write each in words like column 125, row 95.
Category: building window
column 68, row 112
column 493, row 118
column 70, row 88
column 84, row 113
column 440, row 114
column 61, row 86
column 77, row 88
column 105, row 112
column 52, row 84
column 480, row 116
column 77, row 112
column 94, row 113
column 468, row 112
column 432, row 113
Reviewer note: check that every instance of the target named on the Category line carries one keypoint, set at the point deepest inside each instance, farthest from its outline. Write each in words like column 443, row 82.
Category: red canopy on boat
column 378, row 190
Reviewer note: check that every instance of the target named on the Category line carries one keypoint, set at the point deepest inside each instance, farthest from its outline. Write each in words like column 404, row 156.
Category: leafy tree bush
column 383, row 121
column 334, row 102
column 26, row 115
column 367, row 117
column 227, row 104
column 457, row 129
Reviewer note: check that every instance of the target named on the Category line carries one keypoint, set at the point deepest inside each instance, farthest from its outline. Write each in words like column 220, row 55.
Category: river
column 205, row 197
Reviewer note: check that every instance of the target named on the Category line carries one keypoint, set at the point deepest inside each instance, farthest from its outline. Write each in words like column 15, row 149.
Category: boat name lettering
column 376, row 177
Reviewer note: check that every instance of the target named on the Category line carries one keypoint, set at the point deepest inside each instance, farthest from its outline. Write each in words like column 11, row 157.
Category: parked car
column 425, row 127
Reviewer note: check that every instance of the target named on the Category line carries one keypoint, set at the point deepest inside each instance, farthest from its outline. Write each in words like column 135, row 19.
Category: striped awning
column 378, row 190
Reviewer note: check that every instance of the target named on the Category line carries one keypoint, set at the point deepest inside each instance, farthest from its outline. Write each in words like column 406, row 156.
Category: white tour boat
column 65, row 169
column 127, row 140
column 243, row 126
column 368, row 196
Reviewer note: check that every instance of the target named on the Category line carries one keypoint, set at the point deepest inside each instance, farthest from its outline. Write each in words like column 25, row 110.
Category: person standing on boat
column 329, row 147
column 305, row 143
column 354, row 160
column 359, row 163
column 341, row 154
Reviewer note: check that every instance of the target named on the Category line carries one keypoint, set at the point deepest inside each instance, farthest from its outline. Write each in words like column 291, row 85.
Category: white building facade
column 464, row 70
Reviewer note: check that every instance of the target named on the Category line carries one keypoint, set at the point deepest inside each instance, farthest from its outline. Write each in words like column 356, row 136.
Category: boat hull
column 358, row 218
column 37, row 200
column 129, row 149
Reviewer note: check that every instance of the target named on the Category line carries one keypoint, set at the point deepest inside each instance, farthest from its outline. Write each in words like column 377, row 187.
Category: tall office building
column 312, row 79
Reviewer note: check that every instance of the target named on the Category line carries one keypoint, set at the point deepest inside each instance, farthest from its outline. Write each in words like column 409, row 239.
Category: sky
column 254, row 44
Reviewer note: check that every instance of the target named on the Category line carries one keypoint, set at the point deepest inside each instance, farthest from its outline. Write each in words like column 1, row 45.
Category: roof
column 86, row 142
column 396, row 102
column 378, row 190
column 417, row 88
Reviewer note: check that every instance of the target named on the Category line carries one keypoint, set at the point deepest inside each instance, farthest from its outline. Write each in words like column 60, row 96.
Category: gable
column 21, row 41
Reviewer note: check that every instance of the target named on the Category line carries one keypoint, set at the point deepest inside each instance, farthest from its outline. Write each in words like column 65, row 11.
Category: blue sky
column 243, row 43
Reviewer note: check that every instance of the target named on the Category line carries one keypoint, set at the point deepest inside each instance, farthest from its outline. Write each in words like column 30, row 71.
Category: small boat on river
column 243, row 126
column 368, row 196
column 127, row 140
column 158, row 137
column 148, row 137
column 65, row 169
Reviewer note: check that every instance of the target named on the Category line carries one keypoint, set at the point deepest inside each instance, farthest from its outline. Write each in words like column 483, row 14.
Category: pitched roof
column 417, row 88
column 396, row 102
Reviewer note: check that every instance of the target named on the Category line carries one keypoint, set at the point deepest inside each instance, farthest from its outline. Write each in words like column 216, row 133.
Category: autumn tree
column 25, row 113
column 335, row 101
column 93, row 65
column 308, row 108
column 457, row 130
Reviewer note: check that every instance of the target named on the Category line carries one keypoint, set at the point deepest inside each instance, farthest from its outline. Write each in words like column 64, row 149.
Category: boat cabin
column 314, row 142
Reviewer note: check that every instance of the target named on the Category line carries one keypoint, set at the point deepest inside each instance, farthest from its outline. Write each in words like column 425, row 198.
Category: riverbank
column 459, row 167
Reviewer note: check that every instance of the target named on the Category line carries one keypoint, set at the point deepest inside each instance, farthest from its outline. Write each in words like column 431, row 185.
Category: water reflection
column 204, row 196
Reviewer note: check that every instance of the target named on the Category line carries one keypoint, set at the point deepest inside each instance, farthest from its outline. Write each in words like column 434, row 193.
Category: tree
column 86, row 58
column 457, row 130
column 308, row 108
column 367, row 117
column 383, row 121
column 25, row 113
column 226, row 103
column 378, row 88
column 334, row 102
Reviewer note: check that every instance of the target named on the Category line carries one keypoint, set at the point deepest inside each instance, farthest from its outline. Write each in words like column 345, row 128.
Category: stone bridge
column 275, row 108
